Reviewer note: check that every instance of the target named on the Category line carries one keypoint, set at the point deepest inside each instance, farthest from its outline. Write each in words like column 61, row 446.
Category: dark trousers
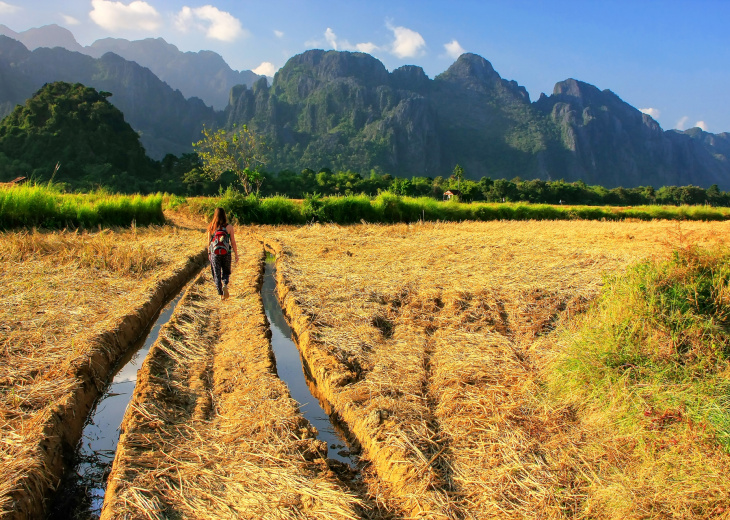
column 220, row 267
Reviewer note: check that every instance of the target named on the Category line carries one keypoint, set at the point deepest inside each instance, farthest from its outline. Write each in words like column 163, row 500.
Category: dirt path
column 212, row 431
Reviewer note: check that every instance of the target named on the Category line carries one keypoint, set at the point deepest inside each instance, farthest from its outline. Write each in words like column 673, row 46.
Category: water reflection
column 82, row 493
column 291, row 370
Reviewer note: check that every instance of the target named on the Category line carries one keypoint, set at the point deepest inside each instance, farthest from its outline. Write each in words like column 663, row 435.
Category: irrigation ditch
column 227, row 414
column 295, row 372
column 63, row 426
column 224, row 420
column 81, row 492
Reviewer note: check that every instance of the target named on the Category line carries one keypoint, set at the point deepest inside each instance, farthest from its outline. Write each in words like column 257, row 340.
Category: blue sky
column 670, row 58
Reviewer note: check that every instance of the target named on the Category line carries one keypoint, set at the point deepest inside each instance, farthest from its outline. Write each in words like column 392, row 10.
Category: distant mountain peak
column 474, row 67
column 331, row 65
column 202, row 74
column 7, row 31
column 45, row 36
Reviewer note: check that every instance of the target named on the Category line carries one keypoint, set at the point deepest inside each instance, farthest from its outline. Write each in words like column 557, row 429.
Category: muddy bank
column 62, row 425
column 212, row 431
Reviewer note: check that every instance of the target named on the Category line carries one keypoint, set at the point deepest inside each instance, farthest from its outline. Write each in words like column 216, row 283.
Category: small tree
column 458, row 175
column 240, row 151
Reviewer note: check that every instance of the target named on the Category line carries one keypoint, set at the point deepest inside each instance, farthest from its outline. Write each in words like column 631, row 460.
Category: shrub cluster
column 390, row 208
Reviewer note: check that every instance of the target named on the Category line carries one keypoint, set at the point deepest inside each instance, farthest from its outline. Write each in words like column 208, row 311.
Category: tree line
column 326, row 182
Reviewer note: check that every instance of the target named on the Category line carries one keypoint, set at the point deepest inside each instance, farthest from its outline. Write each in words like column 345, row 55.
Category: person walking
column 221, row 241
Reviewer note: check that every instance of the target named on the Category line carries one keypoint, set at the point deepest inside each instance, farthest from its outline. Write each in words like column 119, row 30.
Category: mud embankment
column 63, row 424
column 212, row 432
column 408, row 473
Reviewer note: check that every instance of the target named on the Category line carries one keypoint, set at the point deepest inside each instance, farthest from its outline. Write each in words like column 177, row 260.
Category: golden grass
column 58, row 293
column 211, row 431
column 429, row 341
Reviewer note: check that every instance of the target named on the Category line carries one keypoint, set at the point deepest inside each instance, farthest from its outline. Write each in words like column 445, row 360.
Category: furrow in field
column 428, row 341
column 73, row 303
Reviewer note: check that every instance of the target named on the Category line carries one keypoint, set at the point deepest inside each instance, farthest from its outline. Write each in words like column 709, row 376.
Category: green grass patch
column 46, row 207
column 388, row 208
column 653, row 356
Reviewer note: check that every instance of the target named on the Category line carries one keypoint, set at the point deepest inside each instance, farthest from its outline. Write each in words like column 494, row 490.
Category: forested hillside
column 165, row 120
column 77, row 128
column 345, row 111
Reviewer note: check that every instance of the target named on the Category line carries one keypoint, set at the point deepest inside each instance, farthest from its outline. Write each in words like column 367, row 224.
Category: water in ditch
column 293, row 372
column 82, row 493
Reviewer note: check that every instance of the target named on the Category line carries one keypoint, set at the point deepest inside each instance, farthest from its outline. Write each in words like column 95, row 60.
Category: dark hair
column 219, row 221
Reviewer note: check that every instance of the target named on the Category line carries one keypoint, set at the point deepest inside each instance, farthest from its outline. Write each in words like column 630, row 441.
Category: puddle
column 82, row 493
column 292, row 371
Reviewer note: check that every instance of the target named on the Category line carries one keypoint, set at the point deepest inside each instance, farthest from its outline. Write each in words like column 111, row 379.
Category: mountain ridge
column 203, row 74
column 165, row 120
column 345, row 111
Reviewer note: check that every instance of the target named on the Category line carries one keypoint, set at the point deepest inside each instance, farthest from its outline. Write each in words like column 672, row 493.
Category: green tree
column 240, row 151
column 458, row 175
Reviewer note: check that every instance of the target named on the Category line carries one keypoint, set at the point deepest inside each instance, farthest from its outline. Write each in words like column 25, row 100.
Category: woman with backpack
column 221, row 241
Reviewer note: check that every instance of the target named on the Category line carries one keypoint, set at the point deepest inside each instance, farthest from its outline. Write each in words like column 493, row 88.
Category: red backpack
column 220, row 243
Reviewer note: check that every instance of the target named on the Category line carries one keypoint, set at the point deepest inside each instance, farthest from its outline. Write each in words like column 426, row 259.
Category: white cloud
column 137, row 15
column 216, row 24
column 265, row 69
column 331, row 38
column 454, row 49
column 8, row 8
column 653, row 112
column 344, row 45
column 279, row 34
column 70, row 20
column 408, row 43
column 367, row 47
column 682, row 122
column 702, row 125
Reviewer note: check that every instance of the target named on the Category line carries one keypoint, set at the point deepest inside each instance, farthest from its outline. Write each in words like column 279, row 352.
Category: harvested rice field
column 431, row 345
column 70, row 304
column 431, row 341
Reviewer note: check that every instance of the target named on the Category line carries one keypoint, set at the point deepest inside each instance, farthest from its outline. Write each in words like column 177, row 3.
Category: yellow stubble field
column 429, row 341
column 70, row 303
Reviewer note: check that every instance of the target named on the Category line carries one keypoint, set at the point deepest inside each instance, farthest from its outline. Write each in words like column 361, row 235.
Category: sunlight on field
column 429, row 341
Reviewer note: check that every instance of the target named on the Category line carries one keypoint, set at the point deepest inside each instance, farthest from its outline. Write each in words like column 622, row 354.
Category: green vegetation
column 239, row 151
column 78, row 128
column 486, row 189
column 658, row 340
column 648, row 368
column 390, row 208
column 40, row 206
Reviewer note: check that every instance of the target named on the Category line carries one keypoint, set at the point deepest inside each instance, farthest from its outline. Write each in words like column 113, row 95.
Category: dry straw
column 429, row 340
column 212, row 432
column 59, row 291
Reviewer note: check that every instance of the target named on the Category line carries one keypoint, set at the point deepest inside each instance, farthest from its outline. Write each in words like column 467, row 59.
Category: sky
column 668, row 58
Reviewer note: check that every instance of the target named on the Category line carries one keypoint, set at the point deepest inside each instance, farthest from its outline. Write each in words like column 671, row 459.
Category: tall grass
column 42, row 206
column 390, row 208
column 649, row 369
column 665, row 327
